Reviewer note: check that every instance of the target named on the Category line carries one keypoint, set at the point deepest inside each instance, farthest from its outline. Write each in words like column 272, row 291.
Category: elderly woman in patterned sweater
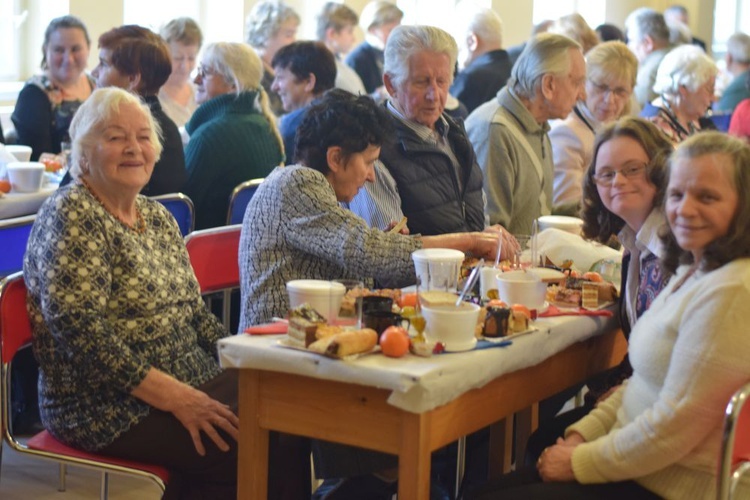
column 125, row 344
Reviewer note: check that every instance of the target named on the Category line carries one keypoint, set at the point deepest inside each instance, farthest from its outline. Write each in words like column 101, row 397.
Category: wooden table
column 361, row 416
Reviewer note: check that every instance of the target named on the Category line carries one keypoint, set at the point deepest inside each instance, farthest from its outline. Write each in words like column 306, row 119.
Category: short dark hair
column 304, row 58
column 138, row 50
column 58, row 23
column 339, row 118
column 599, row 224
column 736, row 243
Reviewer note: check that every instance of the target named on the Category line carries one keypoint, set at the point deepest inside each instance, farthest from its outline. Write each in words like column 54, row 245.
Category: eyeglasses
column 203, row 72
column 606, row 176
column 619, row 92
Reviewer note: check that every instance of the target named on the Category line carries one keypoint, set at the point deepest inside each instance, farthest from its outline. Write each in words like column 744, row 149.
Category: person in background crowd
column 610, row 77
column 486, row 66
column 47, row 102
column 233, row 135
column 738, row 65
column 678, row 13
column 377, row 21
column 685, row 82
column 304, row 71
column 659, row 434
column 623, row 191
column 336, row 23
column 648, row 38
column 514, row 52
column 136, row 59
column 121, row 332
column 177, row 95
column 610, row 32
column 271, row 24
column 575, row 26
column 739, row 126
column 510, row 133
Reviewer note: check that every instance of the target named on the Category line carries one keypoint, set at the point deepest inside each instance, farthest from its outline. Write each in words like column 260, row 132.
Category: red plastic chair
column 735, row 446
column 214, row 256
column 15, row 333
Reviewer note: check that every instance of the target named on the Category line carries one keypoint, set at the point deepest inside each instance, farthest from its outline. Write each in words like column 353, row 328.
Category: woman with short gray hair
column 271, row 25
column 685, row 83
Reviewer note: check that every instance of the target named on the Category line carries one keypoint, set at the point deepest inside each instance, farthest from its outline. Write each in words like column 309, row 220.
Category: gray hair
column 575, row 26
column 738, row 47
column 647, row 22
column 679, row 33
column 101, row 107
column 686, row 65
column 183, row 30
column 264, row 21
column 379, row 13
column 544, row 54
column 240, row 65
column 485, row 23
column 405, row 41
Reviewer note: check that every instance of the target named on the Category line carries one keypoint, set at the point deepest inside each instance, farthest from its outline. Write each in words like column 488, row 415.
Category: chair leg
column 460, row 463
column 62, row 476
column 226, row 308
column 104, row 494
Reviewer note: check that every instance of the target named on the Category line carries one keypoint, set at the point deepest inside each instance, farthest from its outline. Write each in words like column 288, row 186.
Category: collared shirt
column 378, row 203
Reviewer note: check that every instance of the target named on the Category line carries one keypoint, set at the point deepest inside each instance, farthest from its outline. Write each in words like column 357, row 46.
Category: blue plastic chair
column 721, row 120
column 14, row 235
column 181, row 207
column 240, row 198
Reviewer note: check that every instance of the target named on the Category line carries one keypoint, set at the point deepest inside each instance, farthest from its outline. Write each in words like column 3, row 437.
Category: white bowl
column 323, row 296
column 568, row 224
column 520, row 287
column 438, row 268
column 21, row 152
column 25, row 176
column 451, row 325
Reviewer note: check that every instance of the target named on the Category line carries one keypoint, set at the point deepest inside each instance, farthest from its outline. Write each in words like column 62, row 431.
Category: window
column 10, row 24
column 730, row 16
column 591, row 10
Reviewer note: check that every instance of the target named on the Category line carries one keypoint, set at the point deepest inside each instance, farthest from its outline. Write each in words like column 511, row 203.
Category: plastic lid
column 315, row 287
column 439, row 254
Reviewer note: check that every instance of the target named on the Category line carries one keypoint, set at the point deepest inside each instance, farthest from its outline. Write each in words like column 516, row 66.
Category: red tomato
column 408, row 299
column 592, row 276
column 394, row 342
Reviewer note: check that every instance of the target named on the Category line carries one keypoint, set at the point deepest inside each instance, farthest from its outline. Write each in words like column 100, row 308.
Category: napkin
column 553, row 310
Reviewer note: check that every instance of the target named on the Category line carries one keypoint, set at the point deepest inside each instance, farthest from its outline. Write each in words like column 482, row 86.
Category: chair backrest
column 240, row 198
column 735, row 447
column 14, row 235
column 214, row 256
column 181, row 207
column 721, row 120
column 15, row 332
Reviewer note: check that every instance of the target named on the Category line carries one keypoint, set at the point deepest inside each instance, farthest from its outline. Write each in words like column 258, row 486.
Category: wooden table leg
column 527, row 421
column 414, row 459
column 501, row 448
column 252, row 460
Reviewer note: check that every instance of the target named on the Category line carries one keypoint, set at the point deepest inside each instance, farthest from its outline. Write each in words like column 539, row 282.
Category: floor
column 23, row 477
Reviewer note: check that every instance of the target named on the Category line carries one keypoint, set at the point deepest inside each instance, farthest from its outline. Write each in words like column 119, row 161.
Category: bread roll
column 346, row 343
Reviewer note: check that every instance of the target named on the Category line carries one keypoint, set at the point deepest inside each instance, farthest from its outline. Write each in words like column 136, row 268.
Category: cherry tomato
column 408, row 299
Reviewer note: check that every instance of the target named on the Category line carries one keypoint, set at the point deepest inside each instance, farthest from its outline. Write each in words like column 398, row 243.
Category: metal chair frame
column 241, row 196
column 15, row 333
column 734, row 460
column 222, row 244
column 179, row 201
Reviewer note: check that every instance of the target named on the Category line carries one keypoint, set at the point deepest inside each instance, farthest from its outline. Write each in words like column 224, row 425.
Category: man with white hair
column 648, row 38
column 486, row 66
column 679, row 14
column 738, row 65
column 510, row 132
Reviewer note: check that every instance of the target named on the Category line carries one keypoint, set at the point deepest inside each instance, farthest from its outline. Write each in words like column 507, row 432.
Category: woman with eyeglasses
column 685, row 84
column 611, row 70
column 233, row 134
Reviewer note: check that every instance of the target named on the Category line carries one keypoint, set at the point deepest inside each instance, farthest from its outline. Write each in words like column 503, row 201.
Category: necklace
column 140, row 224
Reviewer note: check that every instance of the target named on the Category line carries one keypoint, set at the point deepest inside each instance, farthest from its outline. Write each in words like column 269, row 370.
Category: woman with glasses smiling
column 611, row 70
column 685, row 83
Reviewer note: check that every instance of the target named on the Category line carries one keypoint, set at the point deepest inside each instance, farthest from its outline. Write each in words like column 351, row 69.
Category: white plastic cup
column 488, row 280
column 565, row 223
column 25, row 176
column 21, row 152
column 451, row 325
column 521, row 287
column 321, row 295
column 437, row 268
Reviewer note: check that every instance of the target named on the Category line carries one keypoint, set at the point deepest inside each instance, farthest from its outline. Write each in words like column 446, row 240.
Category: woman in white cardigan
column 660, row 433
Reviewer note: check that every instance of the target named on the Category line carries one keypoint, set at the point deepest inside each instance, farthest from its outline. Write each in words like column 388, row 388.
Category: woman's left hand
column 556, row 463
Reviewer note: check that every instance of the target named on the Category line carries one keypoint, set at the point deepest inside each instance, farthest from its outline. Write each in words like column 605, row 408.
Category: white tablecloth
column 417, row 384
column 19, row 204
